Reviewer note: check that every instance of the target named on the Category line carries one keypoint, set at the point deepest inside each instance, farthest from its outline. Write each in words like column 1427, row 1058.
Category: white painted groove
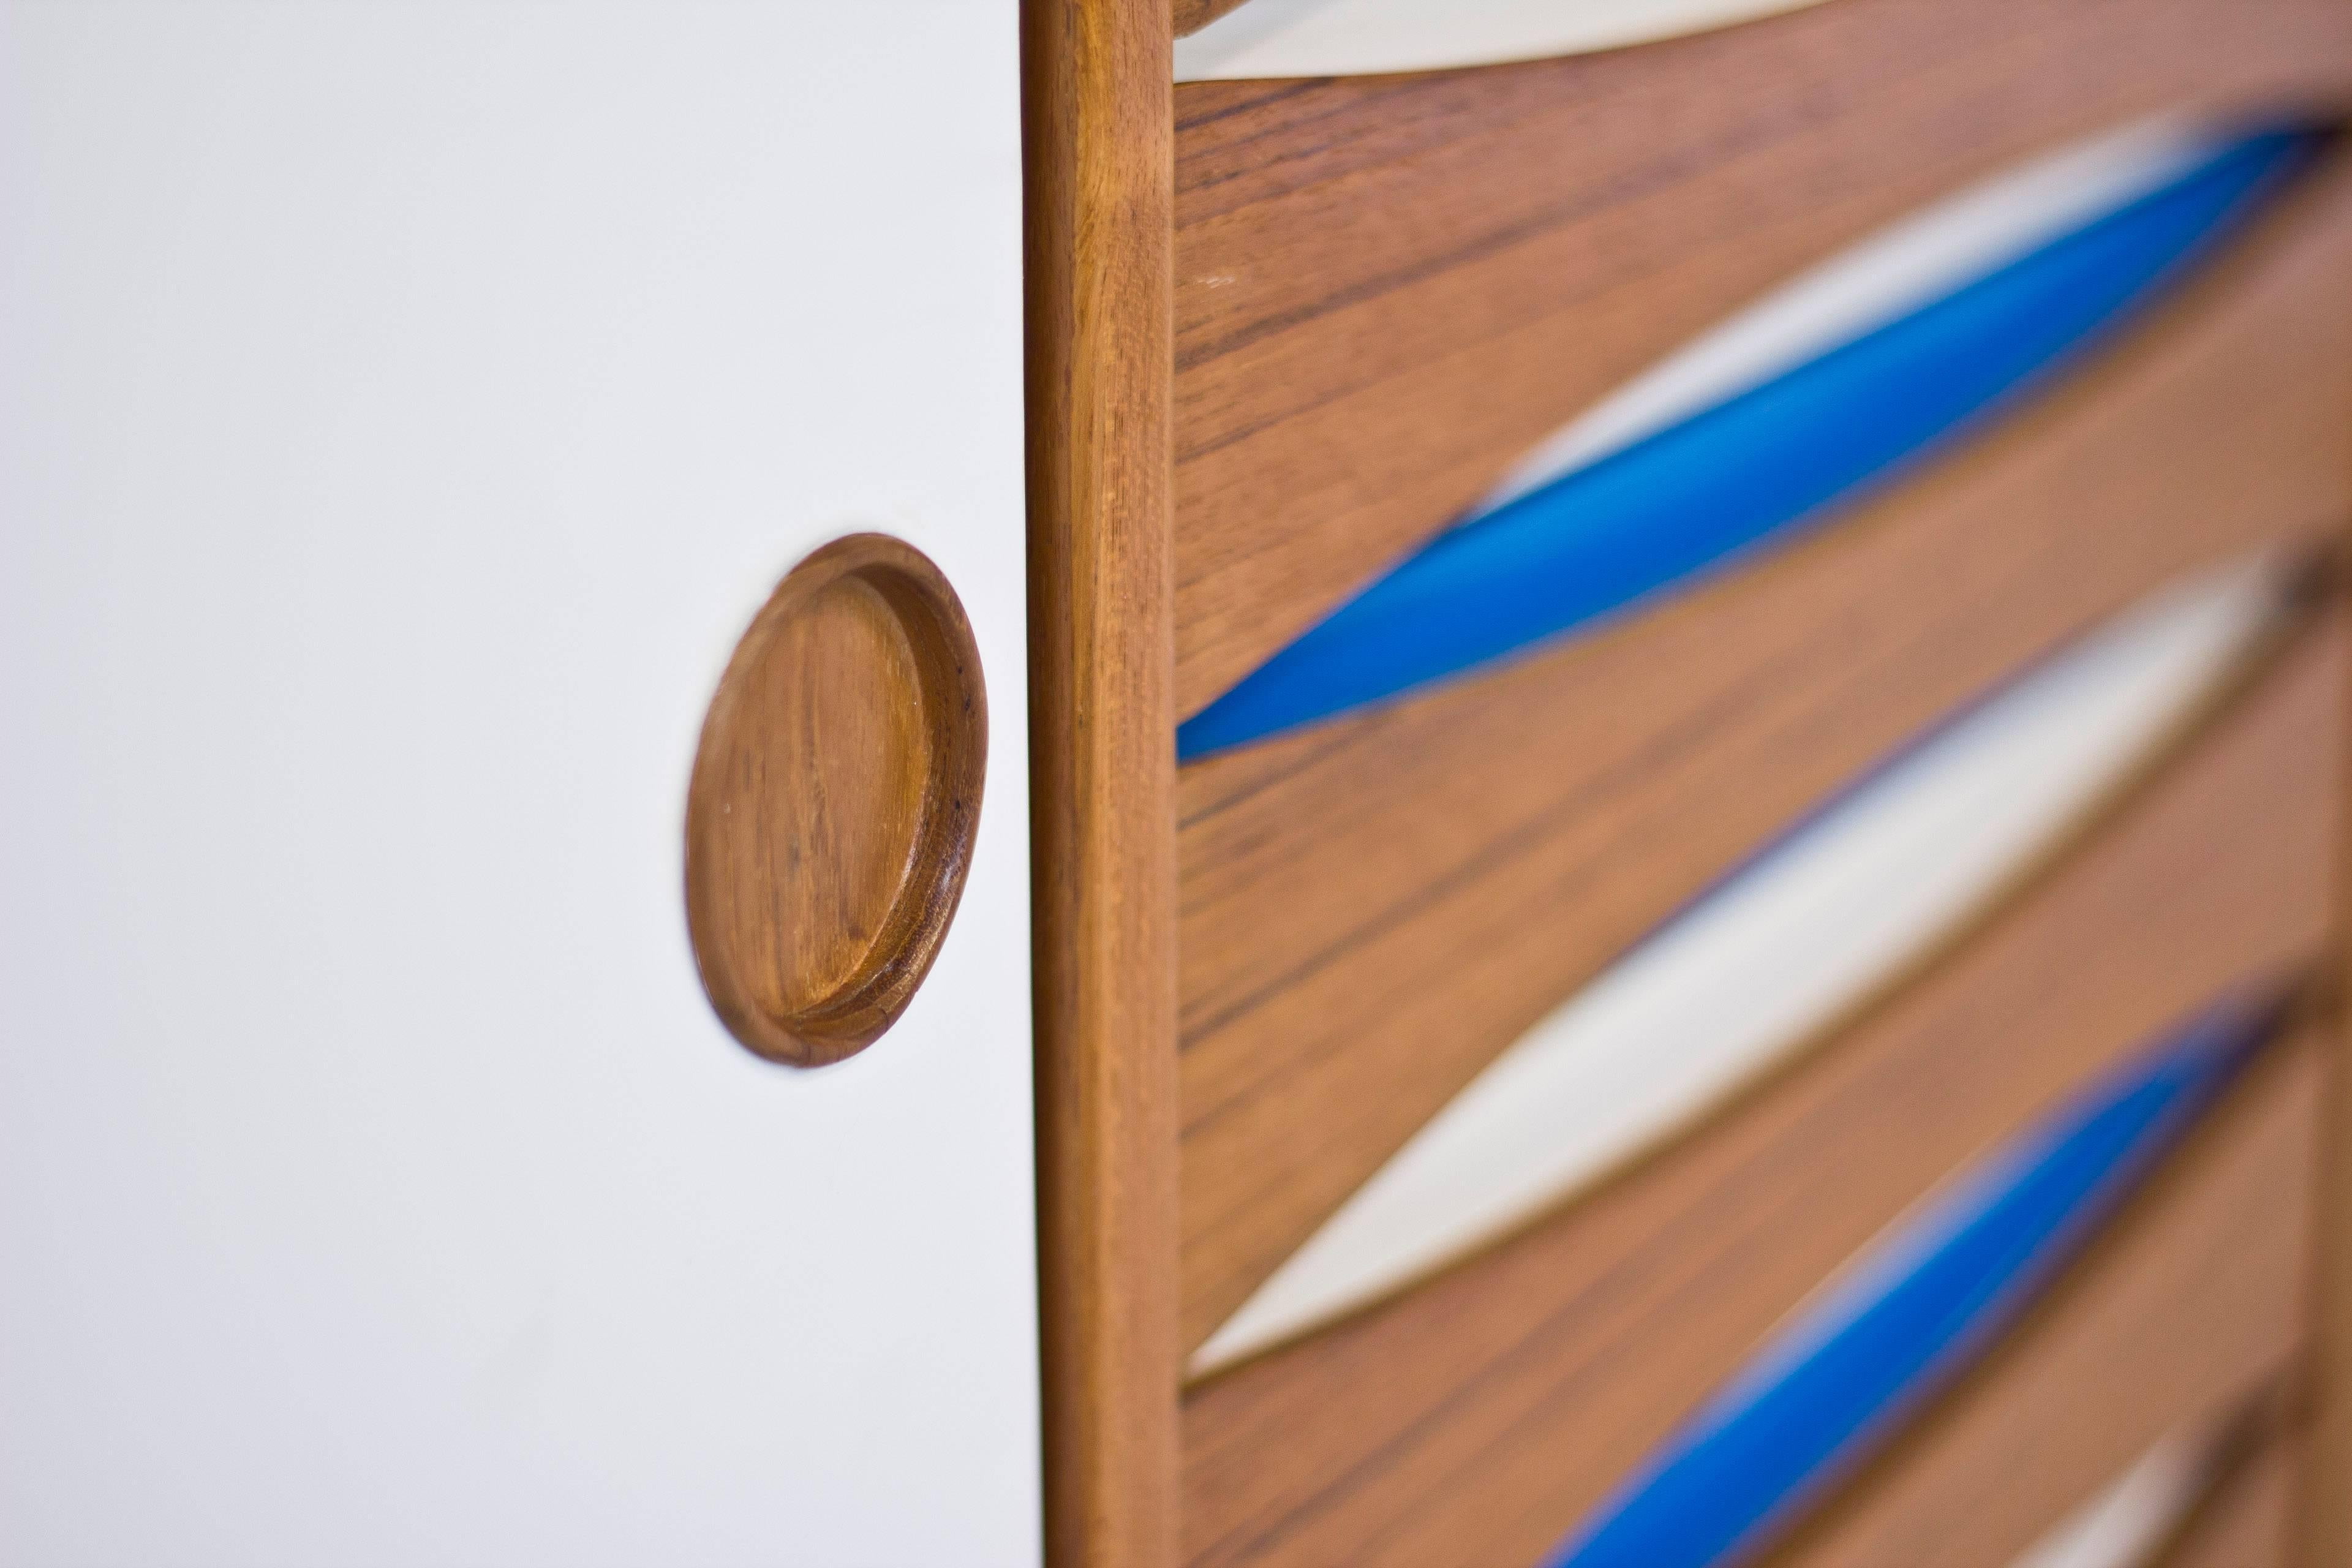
column 1363, row 37
column 1911, row 263
column 1765, row 961
column 2130, row 1524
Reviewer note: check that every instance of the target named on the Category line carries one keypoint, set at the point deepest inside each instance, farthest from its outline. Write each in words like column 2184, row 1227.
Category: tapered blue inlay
column 1753, row 469
column 1911, row 1312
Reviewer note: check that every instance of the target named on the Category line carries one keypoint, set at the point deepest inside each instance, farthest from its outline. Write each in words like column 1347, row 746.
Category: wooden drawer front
column 1388, row 288
column 2188, row 1306
column 1481, row 1416
column 1780, row 419
column 1370, row 910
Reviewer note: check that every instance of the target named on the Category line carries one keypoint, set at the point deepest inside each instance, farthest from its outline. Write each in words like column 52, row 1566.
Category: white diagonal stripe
column 1358, row 37
column 1921, row 258
column 1766, row 961
column 2130, row 1521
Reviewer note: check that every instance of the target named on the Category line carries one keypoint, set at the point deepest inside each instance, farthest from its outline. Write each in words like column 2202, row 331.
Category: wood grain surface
column 1096, row 137
column 1476, row 1418
column 2250, row 1521
column 2323, row 1533
column 2194, row 1301
column 1389, row 288
column 1374, row 908
column 1191, row 15
column 836, row 789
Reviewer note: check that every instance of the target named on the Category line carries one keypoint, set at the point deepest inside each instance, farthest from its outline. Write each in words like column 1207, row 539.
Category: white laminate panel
column 407, row 406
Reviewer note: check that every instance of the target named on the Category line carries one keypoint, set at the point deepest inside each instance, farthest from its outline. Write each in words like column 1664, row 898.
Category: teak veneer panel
column 2250, row 1521
column 1475, row 1418
column 1389, row 288
column 2193, row 1303
column 1095, row 150
column 1372, row 908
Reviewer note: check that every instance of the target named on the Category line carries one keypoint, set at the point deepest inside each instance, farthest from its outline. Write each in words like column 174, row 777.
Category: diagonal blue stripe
column 1752, row 470
column 1915, row 1310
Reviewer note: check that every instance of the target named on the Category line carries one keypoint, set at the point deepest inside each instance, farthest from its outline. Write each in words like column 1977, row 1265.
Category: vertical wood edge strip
column 1098, row 154
column 2324, row 1500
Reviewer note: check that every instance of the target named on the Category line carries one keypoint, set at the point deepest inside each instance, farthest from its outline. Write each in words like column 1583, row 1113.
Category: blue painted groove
column 1754, row 469
column 1913, row 1311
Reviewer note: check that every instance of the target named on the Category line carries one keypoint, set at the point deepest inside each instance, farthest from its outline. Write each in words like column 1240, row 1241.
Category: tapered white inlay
column 1358, row 37
column 2130, row 1524
column 1766, row 961
column 1915, row 261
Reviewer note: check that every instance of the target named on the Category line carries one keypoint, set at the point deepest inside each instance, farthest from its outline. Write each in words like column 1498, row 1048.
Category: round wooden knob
column 836, row 792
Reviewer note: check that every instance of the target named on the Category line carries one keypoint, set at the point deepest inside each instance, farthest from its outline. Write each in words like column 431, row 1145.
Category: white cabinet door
column 404, row 406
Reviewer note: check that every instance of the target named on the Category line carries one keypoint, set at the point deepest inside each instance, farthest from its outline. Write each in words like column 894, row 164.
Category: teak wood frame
column 1098, row 125
column 1098, row 143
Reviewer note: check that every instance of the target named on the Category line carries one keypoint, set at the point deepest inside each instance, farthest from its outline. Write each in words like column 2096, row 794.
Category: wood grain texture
column 1372, row 909
column 1476, row 1419
column 2220, row 1463
column 1772, row 960
column 1191, row 15
column 1390, row 287
column 2323, row 1525
column 836, row 790
column 2250, row 1521
column 1096, row 118
column 2193, row 1302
